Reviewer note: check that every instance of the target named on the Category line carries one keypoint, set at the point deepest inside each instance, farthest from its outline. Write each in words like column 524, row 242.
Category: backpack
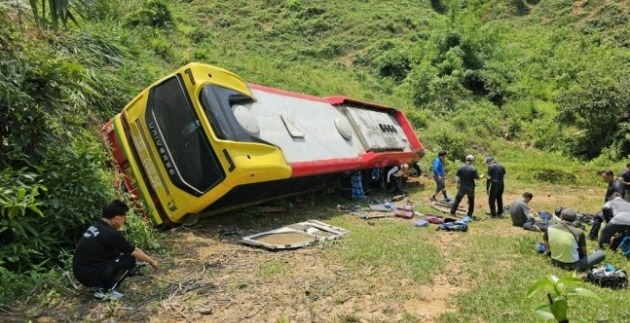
column 611, row 279
column 454, row 226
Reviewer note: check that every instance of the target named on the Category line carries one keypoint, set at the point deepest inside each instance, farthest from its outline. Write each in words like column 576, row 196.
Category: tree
column 598, row 107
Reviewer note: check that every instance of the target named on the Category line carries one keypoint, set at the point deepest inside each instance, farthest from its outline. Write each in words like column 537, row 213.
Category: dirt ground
column 211, row 277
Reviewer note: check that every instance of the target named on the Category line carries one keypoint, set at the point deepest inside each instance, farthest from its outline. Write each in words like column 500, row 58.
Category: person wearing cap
column 567, row 244
column 438, row 175
column 465, row 179
column 618, row 212
column 495, row 187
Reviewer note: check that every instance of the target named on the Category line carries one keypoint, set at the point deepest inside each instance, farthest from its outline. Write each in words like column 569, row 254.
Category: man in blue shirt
column 438, row 175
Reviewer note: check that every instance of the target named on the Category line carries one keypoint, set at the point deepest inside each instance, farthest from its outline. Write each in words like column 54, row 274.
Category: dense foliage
column 526, row 80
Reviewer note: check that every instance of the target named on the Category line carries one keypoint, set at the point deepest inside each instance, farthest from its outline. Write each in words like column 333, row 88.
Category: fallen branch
column 254, row 314
column 180, row 313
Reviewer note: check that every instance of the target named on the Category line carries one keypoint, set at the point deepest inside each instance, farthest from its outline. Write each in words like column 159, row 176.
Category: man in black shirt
column 465, row 179
column 614, row 184
column 103, row 256
column 496, row 173
column 624, row 178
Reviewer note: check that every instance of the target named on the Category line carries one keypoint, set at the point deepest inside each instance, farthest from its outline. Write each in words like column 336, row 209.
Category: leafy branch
column 558, row 293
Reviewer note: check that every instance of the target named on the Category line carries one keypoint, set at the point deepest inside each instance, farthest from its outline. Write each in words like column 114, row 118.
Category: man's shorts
column 439, row 183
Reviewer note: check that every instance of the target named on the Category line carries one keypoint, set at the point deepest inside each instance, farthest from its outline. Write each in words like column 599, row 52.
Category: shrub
column 152, row 13
column 451, row 140
column 554, row 176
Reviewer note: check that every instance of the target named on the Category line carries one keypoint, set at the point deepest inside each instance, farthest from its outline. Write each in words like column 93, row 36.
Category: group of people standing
column 465, row 178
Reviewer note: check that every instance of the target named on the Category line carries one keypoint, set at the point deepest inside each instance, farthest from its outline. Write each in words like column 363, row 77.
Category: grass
column 403, row 249
column 493, row 262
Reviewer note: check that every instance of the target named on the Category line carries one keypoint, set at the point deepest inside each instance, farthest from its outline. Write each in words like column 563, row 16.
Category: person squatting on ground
column 624, row 178
column 438, row 175
column 567, row 244
column 617, row 211
column 495, row 187
column 103, row 257
column 465, row 179
column 614, row 186
column 519, row 210
column 395, row 176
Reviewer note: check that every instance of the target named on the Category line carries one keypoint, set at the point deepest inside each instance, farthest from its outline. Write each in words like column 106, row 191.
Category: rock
column 205, row 310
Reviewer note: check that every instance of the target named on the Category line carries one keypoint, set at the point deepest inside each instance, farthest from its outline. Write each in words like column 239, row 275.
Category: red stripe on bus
column 408, row 130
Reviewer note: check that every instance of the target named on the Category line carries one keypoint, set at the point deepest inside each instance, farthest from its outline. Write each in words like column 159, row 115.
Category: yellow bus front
column 183, row 148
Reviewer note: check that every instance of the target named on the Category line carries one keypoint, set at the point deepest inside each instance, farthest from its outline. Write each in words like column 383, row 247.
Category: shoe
column 433, row 199
column 111, row 295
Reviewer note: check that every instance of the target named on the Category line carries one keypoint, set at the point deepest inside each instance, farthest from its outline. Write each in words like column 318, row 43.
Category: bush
column 447, row 138
column 152, row 13
column 554, row 176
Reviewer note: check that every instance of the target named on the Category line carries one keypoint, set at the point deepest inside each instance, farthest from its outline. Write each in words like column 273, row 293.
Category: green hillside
column 544, row 86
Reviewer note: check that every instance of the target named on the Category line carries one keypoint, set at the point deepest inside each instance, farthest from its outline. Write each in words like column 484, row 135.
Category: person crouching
column 103, row 257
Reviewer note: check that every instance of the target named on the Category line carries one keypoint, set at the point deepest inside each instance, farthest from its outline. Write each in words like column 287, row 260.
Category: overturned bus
column 203, row 141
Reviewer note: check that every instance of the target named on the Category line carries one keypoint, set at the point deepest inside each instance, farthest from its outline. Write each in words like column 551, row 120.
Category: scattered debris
column 384, row 207
column 296, row 235
column 398, row 198
column 227, row 231
column 444, row 208
column 405, row 212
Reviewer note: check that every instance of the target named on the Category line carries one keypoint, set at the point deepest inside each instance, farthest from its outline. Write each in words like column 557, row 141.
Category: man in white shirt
column 619, row 210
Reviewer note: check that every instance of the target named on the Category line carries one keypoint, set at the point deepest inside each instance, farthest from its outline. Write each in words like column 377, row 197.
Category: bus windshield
column 182, row 145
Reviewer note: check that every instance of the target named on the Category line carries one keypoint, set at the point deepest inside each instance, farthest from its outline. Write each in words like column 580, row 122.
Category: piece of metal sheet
column 295, row 235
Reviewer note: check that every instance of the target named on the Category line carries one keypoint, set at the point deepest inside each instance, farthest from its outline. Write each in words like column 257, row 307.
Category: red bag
column 404, row 212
